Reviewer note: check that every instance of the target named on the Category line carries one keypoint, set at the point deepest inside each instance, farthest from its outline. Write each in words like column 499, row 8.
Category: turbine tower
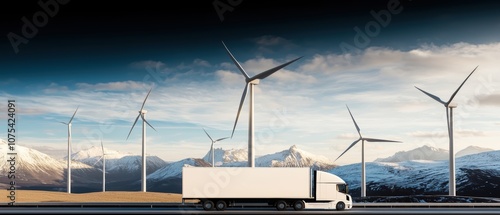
column 449, row 120
column 103, row 168
column 251, row 81
column 363, row 139
column 103, row 158
column 142, row 114
column 212, row 146
column 69, row 150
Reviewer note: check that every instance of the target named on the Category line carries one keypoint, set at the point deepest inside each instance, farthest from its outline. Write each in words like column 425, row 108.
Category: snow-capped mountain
column 94, row 153
column 169, row 178
column 133, row 163
column 430, row 153
column 226, row 156
column 174, row 169
column 34, row 168
column 471, row 150
column 477, row 174
column 421, row 153
column 117, row 162
column 294, row 157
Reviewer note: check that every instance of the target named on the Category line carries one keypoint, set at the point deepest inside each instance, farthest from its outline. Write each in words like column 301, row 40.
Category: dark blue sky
column 88, row 41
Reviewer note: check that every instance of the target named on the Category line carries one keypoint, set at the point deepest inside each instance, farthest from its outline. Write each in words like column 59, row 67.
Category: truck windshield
column 343, row 188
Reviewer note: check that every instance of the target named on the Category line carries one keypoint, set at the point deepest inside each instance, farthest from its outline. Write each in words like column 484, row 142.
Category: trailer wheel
column 208, row 205
column 221, row 205
column 299, row 205
column 280, row 205
column 340, row 206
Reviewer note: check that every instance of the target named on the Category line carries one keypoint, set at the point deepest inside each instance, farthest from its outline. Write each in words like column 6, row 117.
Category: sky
column 57, row 56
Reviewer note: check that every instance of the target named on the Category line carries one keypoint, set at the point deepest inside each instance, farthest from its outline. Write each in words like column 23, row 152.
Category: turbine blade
column 243, row 96
column 221, row 139
column 73, row 115
column 432, row 96
column 355, row 124
column 145, row 99
column 352, row 144
column 380, row 140
column 64, row 123
column 456, row 91
column 236, row 62
column 133, row 125
column 102, row 147
column 269, row 72
column 147, row 123
column 208, row 135
column 97, row 161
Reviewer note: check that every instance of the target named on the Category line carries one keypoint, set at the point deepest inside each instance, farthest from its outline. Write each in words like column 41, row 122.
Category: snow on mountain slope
column 116, row 161
column 92, row 155
column 471, row 150
column 174, row 169
column 34, row 167
column 96, row 152
column 294, row 157
column 475, row 171
column 421, row 153
column 133, row 163
column 226, row 156
column 291, row 157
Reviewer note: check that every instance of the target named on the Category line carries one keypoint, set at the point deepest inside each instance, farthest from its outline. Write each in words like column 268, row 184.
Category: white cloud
column 114, row 86
column 148, row 64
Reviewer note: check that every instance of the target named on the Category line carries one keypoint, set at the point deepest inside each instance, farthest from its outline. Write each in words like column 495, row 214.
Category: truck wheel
column 280, row 205
column 340, row 206
column 208, row 205
column 299, row 205
column 221, row 205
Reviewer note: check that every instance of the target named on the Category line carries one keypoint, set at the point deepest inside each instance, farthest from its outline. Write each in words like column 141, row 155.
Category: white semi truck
column 282, row 187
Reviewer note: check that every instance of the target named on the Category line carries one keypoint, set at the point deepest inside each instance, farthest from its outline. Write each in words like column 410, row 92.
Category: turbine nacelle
column 143, row 112
column 254, row 80
column 452, row 105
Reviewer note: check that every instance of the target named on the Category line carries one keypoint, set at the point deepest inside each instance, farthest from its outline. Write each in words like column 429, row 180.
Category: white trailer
column 281, row 187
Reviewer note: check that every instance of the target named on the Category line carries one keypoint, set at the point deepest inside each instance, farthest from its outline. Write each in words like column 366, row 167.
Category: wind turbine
column 251, row 81
column 212, row 146
column 103, row 157
column 69, row 149
column 449, row 120
column 363, row 139
column 142, row 113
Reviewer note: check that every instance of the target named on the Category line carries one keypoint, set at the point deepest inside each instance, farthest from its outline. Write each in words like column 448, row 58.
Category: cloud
column 492, row 100
column 423, row 134
column 270, row 40
column 148, row 64
column 114, row 86
column 54, row 87
column 200, row 62
column 268, row 43
column 456, row 133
